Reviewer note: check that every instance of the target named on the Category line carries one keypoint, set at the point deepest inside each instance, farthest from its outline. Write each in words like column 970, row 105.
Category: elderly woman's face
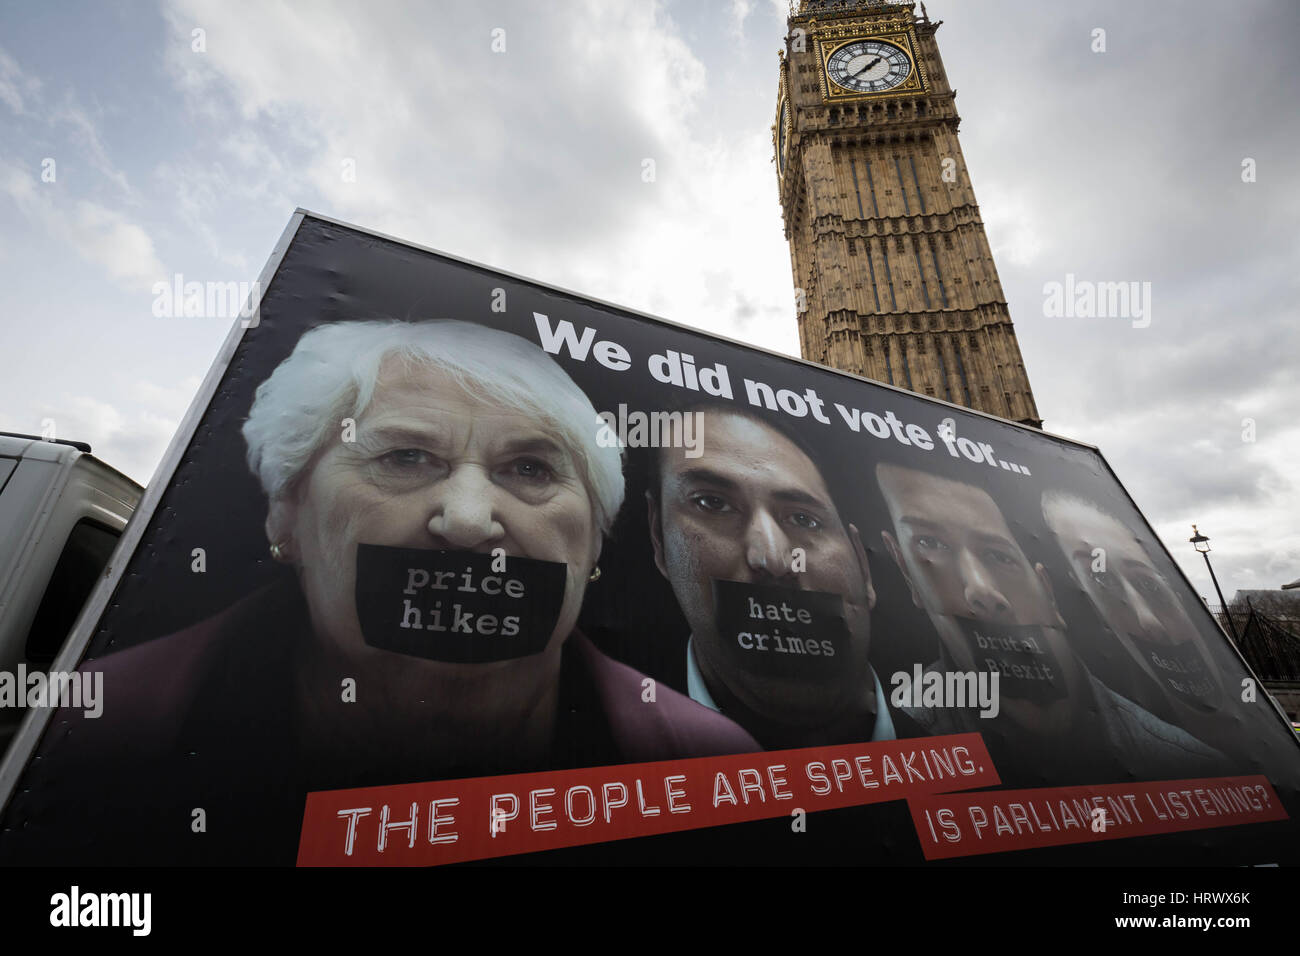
column 435, row 467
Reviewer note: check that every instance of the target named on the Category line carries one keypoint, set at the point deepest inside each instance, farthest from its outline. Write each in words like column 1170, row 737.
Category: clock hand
column 868, row 66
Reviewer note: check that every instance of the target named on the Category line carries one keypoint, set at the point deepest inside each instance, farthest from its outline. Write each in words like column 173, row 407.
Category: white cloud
column 740, row 11
column 86, row 134
column 452, row 149
column 1014, row 228
column 108, row 238
column 101, row 235
column 171, row 400
column 132, row 441
column 14, row 83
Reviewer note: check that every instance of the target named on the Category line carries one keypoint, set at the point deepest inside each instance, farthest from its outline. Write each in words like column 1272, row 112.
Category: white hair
column 332, row 372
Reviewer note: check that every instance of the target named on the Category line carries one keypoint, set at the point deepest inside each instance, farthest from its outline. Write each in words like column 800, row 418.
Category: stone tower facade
column 894, row 278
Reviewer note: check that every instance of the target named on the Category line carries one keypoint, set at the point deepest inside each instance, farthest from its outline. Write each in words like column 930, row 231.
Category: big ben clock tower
column 894, row 277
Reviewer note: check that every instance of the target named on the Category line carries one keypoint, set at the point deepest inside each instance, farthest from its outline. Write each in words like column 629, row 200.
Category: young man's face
column 1133, row 599
column 991, row 608
column 738, row 513
column 957, row 552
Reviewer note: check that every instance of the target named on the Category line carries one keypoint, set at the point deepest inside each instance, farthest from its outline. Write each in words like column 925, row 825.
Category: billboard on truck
column 447, row 565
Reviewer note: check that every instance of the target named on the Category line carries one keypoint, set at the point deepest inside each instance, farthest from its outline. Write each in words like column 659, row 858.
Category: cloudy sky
column 176, row 152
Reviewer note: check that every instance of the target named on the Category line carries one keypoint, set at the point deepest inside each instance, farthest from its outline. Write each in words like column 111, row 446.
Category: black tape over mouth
column 1182, row 670
column 780, row 632
column 1028, row 667
column 456, row 606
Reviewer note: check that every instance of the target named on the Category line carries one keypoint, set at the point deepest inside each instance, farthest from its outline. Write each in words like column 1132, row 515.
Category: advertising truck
column 449, row 565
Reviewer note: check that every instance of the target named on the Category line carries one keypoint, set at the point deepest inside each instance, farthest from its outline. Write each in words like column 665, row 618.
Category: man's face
column 1132, row 598
column 957, row 552
column 737, row 513
column 966, row 570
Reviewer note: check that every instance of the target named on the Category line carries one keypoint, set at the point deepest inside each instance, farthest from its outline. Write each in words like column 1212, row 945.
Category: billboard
column 449, row 565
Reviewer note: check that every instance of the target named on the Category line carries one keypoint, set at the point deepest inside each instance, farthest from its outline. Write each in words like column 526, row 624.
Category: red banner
column 993, row 822
column 448, row 821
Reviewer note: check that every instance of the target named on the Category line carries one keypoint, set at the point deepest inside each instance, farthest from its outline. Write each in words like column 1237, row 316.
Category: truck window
column 83, row 559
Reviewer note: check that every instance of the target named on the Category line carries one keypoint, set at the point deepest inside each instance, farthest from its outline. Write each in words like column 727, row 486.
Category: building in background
column 893, row 272
column 1269, row 625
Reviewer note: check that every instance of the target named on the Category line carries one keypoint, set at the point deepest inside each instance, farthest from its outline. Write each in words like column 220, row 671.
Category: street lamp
column 1202, row 544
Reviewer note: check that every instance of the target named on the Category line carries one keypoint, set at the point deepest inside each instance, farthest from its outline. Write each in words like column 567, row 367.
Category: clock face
column 868, row 66
column 782, row 136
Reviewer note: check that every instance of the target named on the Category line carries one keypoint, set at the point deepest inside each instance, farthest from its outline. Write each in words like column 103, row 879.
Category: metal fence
column 1269, row 642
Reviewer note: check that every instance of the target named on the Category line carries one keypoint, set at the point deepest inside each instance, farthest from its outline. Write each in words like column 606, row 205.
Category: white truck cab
column 62, row 511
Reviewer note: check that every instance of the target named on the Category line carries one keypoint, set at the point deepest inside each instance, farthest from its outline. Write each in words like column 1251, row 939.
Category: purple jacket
column 148, row 687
